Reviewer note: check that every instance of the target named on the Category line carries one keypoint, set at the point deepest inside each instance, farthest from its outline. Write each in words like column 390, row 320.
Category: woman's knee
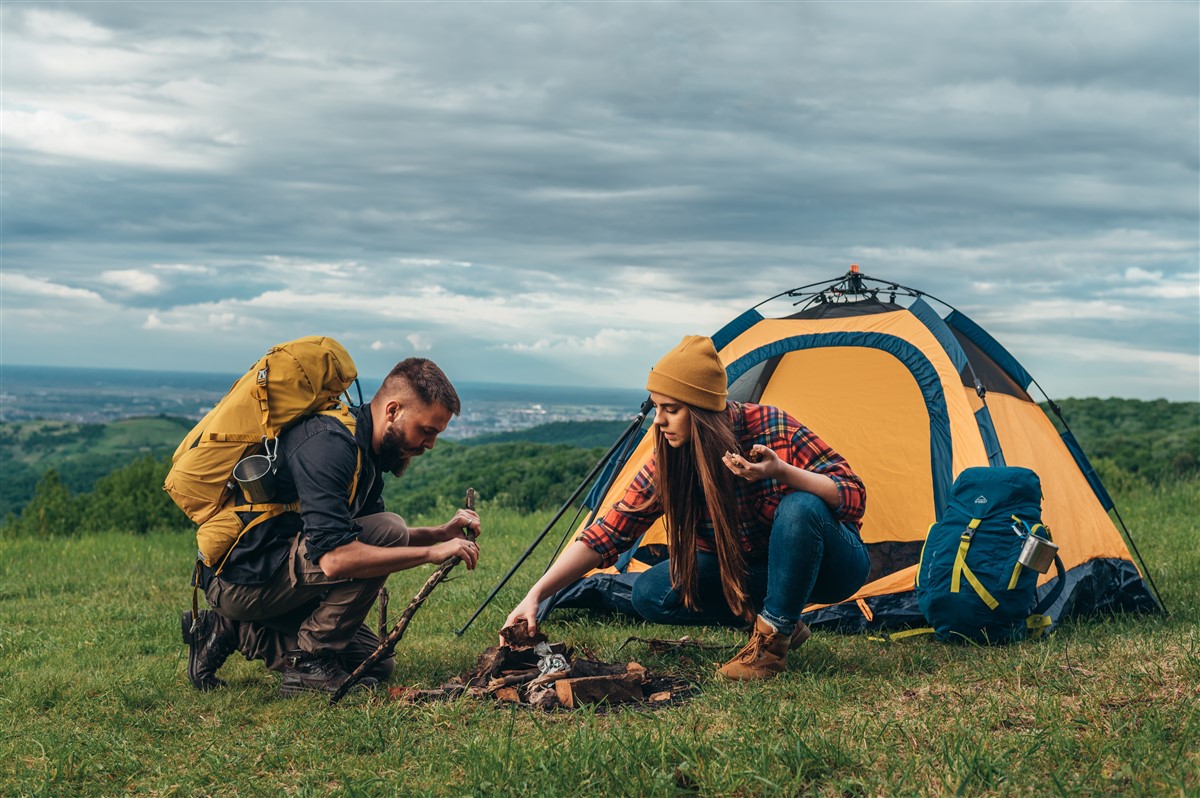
column 651, row 592
column 801, row 513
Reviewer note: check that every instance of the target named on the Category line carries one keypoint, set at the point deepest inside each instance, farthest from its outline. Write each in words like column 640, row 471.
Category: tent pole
column 622, row 456
column 1138, row 554
column 633, row 425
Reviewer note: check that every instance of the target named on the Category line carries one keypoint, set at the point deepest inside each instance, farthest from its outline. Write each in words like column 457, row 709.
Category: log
column 590, row 667
column 573, row 693
column 518, row 635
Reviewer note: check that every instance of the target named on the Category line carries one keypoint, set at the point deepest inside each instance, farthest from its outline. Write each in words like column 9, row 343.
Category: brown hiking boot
column 766, row 653
column 210, row 641
column 317, row 673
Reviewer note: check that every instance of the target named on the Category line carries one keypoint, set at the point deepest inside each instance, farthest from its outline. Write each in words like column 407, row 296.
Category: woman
column 761, row 517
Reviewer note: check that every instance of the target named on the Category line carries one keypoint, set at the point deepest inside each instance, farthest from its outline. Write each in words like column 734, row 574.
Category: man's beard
column 391, row 453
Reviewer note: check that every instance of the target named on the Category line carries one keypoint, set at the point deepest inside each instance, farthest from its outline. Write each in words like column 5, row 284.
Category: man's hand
column 456, row 527
column 465, row 550
column 766, row 466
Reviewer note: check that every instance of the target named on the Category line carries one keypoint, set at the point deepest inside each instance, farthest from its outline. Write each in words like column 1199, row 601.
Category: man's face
column 410, row 427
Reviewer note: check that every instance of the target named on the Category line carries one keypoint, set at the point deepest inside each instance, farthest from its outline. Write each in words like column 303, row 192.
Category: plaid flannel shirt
column 622, row 526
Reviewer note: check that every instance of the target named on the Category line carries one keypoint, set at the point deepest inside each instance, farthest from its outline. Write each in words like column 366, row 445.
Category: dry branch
column 388, row 644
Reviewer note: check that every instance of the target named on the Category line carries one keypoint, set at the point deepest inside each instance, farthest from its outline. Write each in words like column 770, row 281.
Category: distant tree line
column 1132, row 440
column 1131, row 443
column 519, row 475
column 584, row 434
column 129, row 499
column 522, row 476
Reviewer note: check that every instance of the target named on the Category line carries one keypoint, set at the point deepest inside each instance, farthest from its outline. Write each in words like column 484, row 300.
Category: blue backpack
column 971, row 583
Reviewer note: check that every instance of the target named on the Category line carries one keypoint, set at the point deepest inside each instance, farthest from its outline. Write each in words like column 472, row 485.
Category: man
column 295, row 590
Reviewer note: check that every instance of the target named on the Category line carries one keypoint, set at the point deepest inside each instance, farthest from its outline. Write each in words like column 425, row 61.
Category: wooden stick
column 388, row 644
column 382, row 601
column 513, row 679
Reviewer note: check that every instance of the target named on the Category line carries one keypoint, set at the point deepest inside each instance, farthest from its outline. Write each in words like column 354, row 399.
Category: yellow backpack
column 291, row 381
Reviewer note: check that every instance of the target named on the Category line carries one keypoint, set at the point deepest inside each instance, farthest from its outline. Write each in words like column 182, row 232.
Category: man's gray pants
column 302, row 608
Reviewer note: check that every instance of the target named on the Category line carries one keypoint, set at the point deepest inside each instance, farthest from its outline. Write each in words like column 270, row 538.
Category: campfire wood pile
column 532, row 672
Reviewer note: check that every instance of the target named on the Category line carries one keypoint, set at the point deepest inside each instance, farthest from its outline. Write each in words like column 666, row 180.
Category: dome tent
column 910, row 399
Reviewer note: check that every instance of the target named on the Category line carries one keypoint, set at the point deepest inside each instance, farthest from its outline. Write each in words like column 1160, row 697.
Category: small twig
column 388, row 644
column 521, row 677
column 659, row 645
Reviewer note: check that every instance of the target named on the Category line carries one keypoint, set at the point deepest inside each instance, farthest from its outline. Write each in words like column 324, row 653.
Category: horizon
column 551, row 386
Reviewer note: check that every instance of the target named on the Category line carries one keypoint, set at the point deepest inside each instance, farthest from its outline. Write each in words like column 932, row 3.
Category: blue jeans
column 811, row 559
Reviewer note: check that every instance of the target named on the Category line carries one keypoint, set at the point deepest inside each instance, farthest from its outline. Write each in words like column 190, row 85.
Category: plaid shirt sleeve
column 813, row 454
column 801, row 447
column 619, row 528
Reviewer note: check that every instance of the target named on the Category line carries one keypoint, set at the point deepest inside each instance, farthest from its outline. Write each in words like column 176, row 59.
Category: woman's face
column 673, row 418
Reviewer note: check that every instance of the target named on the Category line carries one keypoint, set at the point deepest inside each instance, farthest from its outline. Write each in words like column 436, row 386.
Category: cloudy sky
column 555, row 192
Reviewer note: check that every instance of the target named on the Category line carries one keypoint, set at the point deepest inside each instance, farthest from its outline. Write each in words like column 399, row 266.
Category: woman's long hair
column 688, row 480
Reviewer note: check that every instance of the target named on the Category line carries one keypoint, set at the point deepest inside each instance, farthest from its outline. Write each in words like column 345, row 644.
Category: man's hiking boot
column 317, row 673
column 209, row 645
column 380, row 671
column 766, row 653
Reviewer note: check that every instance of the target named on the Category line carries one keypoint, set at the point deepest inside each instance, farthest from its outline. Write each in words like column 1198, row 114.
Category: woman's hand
column 576, row 560
column 766, row 465
column 526, row 610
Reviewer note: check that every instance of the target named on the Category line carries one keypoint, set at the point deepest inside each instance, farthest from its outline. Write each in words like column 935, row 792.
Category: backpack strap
column 1038, row 623
column 265, row 511
column 960, row 568
column 354, row 482
column 891, row 637
column 341, row 412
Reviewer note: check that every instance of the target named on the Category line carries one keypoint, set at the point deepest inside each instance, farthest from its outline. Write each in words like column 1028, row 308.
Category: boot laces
column 753, row 650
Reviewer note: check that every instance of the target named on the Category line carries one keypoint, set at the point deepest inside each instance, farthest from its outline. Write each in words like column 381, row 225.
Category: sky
column 555, row 193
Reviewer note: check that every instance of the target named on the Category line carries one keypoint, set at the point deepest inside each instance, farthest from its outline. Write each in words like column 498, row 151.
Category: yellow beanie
column 691, row 373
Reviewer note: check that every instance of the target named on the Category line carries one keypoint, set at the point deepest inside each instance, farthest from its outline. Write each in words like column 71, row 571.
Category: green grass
column 95, row 700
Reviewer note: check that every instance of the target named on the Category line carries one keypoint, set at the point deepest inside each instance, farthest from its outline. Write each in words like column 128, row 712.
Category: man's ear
column 392, row 409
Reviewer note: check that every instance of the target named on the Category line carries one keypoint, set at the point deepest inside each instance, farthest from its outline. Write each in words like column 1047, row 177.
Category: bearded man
column 296, row 588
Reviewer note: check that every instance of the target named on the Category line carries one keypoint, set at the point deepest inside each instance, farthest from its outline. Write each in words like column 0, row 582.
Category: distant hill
column 1126, row 439
column 1152, row 440
column 80, row 453
column 518, row 474
column 585, row 434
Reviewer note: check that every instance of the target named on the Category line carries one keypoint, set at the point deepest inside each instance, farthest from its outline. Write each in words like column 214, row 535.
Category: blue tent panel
column 978, row 336
column 1085, row 466
column 927, row 316
column 611, row 469
column 735, row 328
column 987, row 431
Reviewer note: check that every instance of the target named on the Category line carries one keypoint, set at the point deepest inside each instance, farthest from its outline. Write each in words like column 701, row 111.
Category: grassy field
column 95, row 700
